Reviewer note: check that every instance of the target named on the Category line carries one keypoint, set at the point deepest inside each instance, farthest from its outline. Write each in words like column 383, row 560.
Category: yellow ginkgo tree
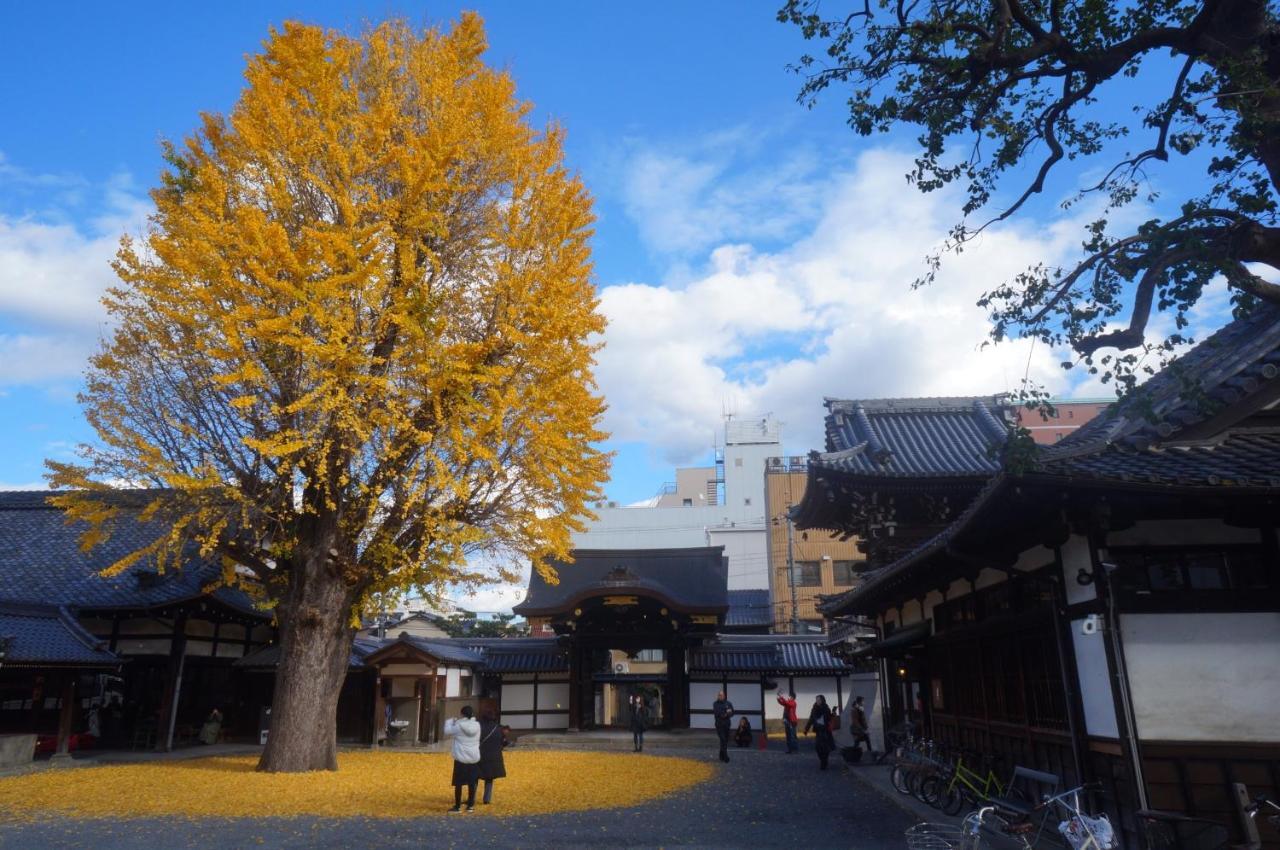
column 355, row 345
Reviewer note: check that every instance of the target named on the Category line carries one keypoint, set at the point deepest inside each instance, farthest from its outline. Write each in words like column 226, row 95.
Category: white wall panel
column 517, row 696
column 745, row 697
column 553, row 696
column 553, row 721
column 1204, row 677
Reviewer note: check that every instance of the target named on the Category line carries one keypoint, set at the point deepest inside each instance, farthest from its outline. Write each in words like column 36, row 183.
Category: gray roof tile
column 41, row 559
column 47, row 635
column 914, row 437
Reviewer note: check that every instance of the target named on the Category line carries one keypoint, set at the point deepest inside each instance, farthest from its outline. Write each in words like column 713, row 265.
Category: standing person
column 639, row 721
column 723, row 710
column 789, row 719
column 820, row 723
column 491, row 741
column 742, row 735
column 466, row 757
column 858, row 725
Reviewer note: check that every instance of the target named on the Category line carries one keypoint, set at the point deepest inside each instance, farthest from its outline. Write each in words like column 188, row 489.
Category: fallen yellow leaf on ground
column 367, row 784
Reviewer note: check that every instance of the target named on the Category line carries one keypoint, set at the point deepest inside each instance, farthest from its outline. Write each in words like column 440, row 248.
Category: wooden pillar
column 678, row 682
column 172, row 685
column 68, row 702
column 575, row 686
column 377, row 709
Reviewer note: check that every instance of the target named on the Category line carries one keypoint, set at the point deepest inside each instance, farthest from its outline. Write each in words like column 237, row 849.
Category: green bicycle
column 950, row 790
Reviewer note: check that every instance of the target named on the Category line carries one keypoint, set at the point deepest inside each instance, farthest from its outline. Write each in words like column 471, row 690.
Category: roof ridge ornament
column 620, row 574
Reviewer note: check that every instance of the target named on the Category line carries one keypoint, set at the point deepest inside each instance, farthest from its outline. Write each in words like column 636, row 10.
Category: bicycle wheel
column 931, row 789
column 898, row 776
column 951, row 801
column 914, row 782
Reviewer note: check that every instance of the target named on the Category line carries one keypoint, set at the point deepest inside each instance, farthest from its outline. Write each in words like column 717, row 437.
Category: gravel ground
column 760, row 799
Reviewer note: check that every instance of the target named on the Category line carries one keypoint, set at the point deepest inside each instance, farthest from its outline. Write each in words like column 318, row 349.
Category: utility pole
column 791, row 577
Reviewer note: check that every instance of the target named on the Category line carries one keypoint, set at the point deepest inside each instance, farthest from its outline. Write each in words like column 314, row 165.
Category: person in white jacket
column 466, row 757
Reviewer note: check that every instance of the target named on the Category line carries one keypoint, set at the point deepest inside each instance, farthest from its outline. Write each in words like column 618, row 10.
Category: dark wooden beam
column 172, row 685
column 67, row 707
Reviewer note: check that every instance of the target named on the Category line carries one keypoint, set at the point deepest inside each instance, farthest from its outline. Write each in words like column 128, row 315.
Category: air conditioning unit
column 774, row 463
column 621, row 667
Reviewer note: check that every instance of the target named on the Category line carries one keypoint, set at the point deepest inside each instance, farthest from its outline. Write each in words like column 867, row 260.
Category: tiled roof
column 521, row 655
column 1229, row 364
column 1137, row 443
column 448, row 650
column 691, row 579
column 748, row 608
column 497, row 655
column 47, row 635
column 914, row 437
column 41, row 559
column 780, row 654
column 1241, row 459
column 269, row 656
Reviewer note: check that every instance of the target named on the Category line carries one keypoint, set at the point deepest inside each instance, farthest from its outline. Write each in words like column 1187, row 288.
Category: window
column 842, row 573
column 807, row 573
column 651, row 655
column 688, row 503
column 1195, row 576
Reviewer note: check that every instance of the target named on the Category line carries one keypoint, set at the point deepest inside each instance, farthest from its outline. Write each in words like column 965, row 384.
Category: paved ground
column 761, row 799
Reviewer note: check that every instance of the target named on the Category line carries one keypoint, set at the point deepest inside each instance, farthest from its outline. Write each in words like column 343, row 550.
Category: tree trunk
column 315, row 649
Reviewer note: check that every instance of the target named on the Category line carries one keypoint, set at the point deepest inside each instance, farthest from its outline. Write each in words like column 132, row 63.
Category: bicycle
column 1081, row 830
column 914, row 764
column 957, row 784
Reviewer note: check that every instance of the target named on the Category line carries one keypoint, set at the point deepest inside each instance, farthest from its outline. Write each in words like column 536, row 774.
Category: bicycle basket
column 936, row 836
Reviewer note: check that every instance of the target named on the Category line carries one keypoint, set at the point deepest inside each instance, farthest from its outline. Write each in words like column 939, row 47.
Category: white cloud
column 53, row 273
column 702, row 195
column 831, row 314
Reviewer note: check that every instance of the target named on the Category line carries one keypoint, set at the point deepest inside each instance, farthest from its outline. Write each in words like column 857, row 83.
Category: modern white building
column 718, row 505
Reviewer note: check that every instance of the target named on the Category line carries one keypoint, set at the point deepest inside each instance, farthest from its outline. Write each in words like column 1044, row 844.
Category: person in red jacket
column 789, row 721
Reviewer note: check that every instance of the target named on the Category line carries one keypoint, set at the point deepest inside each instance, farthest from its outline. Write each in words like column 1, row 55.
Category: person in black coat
column 723, row 711
column 491, row 764
column 639, row 721
column 820, row 723
column 742, row 735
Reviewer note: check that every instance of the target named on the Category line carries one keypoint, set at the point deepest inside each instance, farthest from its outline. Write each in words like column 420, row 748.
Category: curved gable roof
column 693, row 579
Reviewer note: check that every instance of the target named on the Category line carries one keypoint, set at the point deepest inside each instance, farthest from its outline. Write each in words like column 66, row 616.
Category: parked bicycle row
column 1030, row 805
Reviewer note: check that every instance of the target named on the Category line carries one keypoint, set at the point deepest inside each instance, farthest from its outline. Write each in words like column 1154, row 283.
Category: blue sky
column 752, row 255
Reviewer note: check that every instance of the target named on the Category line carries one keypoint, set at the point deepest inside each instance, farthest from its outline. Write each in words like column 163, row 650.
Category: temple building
column 149, row 653
column 1105, row 608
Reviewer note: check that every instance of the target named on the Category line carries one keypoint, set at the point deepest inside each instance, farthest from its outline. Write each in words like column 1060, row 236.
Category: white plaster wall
column 452, row 682
column 866, row 685
column 517, row 697
column 553, row 696
column 1034, row 558
column 911, row 612
column 808, row 687
column 989, row 577
column 701, row 696
column 519, row 721
column 1075, row 557
column 1204, row 677
column 553, row 721
column 745, row 696
column 1095, row 682
column 1178, row 532
column 931, row 601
